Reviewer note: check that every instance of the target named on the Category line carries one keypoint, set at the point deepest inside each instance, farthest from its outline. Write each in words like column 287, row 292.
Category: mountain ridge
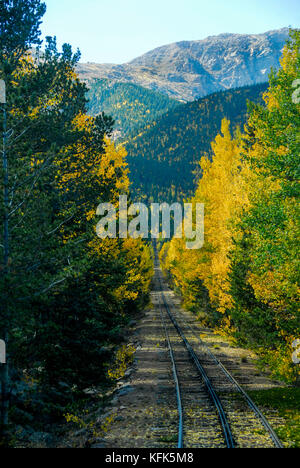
column 189, row 70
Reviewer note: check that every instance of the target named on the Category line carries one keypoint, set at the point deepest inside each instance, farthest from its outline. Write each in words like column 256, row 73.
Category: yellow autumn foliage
column 223, row 190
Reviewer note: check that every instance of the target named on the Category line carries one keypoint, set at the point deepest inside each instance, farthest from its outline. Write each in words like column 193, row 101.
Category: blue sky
column 117, row 31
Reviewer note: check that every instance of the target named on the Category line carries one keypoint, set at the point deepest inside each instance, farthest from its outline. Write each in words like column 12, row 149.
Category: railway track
column 214, row 411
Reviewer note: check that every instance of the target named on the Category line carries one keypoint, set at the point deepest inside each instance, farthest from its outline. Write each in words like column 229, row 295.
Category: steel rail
column 241, row 390
column 176, row 380
column 215, row 398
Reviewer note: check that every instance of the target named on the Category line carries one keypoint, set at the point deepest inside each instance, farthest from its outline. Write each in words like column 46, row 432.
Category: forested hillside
column 245, row 280
column 163, row 157
column 130, row 105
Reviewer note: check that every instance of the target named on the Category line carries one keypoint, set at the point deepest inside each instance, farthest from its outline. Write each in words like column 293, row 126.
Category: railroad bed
column 164, row 402
column 213, row 409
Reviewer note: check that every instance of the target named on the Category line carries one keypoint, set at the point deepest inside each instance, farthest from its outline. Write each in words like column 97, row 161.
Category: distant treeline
column 131, row 106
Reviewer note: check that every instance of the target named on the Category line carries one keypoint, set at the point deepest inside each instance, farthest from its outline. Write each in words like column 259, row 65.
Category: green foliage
column 131, row 106
column 20, row 21
column 163, row 159
column 265, row 261
column 65, row 294
column 287, row 402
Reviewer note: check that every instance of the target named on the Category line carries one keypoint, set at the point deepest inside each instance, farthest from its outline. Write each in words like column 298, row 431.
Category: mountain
column 131, row 106
column 192, row 69
column 163, row 158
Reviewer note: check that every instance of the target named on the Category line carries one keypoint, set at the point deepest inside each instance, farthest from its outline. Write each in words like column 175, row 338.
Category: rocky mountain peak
column 188, row 70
